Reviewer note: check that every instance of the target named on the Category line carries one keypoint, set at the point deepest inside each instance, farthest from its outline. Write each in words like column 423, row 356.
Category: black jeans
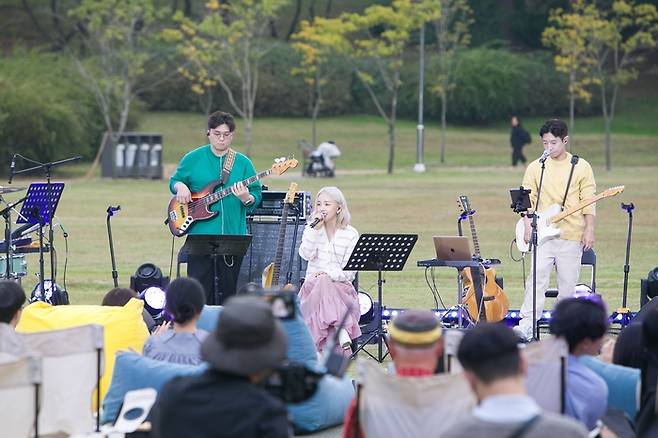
column 517, row 155
column 227, row 270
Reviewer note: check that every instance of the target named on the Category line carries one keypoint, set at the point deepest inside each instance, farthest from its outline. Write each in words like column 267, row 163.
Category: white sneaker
column 523, row 333
column 344, row 339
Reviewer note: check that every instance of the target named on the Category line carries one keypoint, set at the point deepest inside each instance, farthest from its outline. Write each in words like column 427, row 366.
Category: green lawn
column 406, row 202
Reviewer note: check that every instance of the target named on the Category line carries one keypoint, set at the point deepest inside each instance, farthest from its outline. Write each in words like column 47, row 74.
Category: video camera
column 294, row 382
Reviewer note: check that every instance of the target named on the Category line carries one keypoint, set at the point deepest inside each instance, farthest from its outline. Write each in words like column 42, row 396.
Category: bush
column 44, row 115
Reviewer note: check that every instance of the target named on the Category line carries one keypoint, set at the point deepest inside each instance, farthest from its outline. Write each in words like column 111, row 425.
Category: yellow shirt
column 556, row 176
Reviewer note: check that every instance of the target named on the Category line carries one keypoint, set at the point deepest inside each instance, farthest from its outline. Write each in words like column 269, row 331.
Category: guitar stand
column 379, row 252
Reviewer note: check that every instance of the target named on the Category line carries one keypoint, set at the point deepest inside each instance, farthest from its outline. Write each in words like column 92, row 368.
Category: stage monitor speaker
column 262, row 250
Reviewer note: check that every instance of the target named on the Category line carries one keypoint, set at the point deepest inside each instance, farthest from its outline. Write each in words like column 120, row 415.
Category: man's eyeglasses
column 222, row 134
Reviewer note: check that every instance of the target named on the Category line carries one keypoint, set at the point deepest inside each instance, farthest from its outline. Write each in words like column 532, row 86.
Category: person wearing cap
column 226, row 400
column 495, row 370
column 12, row 298
column 415, row 344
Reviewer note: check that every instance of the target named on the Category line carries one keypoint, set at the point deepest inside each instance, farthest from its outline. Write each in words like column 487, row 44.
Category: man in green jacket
column 197, row 169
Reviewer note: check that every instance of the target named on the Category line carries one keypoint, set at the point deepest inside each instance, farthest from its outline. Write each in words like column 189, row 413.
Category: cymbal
column 4, row 190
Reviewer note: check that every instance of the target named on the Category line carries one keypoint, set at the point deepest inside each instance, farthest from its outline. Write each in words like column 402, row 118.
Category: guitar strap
column 574, row 161
column 228, row 166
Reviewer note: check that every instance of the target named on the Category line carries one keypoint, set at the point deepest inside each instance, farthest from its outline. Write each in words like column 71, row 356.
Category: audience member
column 180, row 342
column 12, row 298
column 582, row 322
column 646, row 422
column 415, row 345
column 495, row 370
column 226, row 400
column 628, row 347
column 119, row 296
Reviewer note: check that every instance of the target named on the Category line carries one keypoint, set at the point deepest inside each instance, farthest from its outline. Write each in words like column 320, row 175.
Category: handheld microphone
column 11, row 169
column 544, row 156
column 113, row 210
column 316, row 221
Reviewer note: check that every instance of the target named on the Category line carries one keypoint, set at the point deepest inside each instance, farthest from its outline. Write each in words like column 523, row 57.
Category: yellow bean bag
column 123, row 327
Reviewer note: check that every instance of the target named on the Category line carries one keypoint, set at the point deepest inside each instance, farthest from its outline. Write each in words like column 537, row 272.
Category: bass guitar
column 494, row 300
column 272, row 271
column 180, row 216
column 554, row 214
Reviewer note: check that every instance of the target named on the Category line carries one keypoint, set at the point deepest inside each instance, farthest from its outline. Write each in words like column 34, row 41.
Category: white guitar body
column 545, row 229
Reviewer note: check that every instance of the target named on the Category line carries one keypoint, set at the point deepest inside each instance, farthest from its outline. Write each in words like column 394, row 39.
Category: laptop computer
column 452, row 248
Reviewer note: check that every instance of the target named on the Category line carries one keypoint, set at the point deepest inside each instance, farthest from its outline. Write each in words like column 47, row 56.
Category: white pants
column 565, row 255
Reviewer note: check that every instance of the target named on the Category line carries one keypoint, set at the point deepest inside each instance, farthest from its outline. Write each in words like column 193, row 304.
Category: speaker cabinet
column 263, row 248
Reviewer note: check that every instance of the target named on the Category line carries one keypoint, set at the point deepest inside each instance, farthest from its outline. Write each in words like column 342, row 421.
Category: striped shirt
column 329, row 256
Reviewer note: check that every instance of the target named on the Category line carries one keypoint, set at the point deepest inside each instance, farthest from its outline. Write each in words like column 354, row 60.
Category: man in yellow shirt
column 576, row 230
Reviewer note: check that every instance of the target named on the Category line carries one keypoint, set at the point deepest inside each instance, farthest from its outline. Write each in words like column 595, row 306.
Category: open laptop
column 452, row 248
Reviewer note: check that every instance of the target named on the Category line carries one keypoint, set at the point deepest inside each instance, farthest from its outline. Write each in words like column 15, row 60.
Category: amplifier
column 272, row 205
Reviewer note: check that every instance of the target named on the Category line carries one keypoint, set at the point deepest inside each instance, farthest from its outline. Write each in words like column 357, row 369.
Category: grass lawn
column 406, row 202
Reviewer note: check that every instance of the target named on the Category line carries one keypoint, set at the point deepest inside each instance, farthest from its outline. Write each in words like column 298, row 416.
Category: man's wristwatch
column 249, row 201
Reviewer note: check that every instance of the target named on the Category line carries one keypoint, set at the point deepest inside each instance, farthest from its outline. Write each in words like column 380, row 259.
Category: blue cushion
column 326, row 408
column 134, row 371
column 623, row 383
column 208, row 319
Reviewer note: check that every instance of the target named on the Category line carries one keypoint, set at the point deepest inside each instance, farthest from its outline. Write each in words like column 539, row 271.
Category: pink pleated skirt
column 323, row 303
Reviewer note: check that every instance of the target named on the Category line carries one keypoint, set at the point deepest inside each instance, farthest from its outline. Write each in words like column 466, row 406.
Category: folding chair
column 19, row 395
column 72, row 362
column 547, row 373
column 587, row 259
column 392, row 406
column 451, row 340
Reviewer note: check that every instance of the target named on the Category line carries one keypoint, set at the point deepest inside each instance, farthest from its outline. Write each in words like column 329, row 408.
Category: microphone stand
column 624, row 311
column 460, row 284
column 292, row 245
column 47, row 167
column 534, row 243
column 111, row 211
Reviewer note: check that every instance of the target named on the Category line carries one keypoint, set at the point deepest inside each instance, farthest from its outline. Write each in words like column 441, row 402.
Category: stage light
column 366, row 308
column 148, row 275
column 154, row 301
column 650, row 285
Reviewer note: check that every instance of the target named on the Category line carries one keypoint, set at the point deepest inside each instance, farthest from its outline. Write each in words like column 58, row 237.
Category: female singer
column 327, row 292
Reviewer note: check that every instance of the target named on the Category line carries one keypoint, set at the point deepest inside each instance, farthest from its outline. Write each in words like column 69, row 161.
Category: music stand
column 216, row 245
column 39, row 208
column 380, row 252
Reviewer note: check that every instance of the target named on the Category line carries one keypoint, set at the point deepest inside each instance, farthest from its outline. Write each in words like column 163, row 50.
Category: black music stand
column 39, row 208
column 380, row 252
column 217, row 245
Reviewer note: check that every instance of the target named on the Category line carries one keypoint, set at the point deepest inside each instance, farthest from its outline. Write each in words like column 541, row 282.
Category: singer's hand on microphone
column 317, row 221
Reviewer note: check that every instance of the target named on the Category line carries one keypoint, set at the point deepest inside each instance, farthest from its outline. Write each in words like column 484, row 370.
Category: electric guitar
column 554, row 214
column 494, row 300
column 180, row 217
column 272, row 271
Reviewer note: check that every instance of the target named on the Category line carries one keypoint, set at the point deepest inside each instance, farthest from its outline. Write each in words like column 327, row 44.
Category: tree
column 376, row 39
column 573, row 34
column 631, row 31
column 315, row 68
column 116, row 39
column 229, row 42
column 452, row 32
column 615, row 40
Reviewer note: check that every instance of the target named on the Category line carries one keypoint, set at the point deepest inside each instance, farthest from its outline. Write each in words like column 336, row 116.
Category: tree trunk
column 316, row 98
column 248, row 129
column 295, row 19
column 391, row 132
column 444, row 110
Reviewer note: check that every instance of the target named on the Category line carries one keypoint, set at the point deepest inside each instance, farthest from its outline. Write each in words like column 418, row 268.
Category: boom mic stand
column 47, row 167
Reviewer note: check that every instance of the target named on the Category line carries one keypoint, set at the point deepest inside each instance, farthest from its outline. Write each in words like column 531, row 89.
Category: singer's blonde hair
column 343, row 216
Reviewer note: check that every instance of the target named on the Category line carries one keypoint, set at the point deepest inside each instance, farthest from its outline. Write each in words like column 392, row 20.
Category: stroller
column 320, row 162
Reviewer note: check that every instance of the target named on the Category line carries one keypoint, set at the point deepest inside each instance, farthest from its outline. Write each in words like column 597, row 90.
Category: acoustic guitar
column 180, row 217
column 271, row 273
column 494, row 300
column 554, row 214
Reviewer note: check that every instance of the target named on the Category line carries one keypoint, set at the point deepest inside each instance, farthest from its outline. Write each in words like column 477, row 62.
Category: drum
column 17, row 266
column 366, row 308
